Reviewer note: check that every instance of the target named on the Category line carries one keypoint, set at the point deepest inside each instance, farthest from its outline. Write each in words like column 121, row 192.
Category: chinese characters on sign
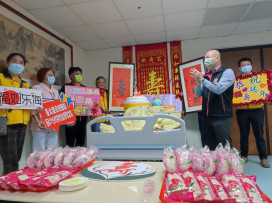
column 176, row 59
column 192, row 103
column 127, row 54
column 251, row 89
column 152, row 69
column 121, row 82
column 19, row 98
column 190, row 83
column 56, row 113
column 87, row 100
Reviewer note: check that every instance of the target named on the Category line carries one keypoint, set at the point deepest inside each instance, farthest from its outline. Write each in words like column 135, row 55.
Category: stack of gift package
column 204, row 175
column 46, row 168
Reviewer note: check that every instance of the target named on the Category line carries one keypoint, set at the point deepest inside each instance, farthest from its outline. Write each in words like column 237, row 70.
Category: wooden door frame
column 261, row 47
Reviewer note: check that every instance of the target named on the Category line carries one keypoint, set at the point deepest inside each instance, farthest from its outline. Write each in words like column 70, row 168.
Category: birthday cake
column 135, row 101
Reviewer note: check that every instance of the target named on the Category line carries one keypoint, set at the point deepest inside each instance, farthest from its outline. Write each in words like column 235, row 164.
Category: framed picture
column 121, row 82
column 41, row 47
column 191, row 101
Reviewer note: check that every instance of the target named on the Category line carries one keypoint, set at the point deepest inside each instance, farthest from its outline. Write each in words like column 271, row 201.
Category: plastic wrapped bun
column 80, row 160
column 68, row 159
column 32, row 159
column 49, row 159
column 42, row 156
column 223, row 164
column 184, row 157
column 169, row 159
column 237, row 163
column 198, row 163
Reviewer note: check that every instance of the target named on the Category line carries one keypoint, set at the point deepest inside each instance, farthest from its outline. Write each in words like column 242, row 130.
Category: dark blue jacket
column 217, row 105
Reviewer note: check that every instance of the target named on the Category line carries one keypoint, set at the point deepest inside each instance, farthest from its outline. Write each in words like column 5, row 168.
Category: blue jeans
column 96, row 126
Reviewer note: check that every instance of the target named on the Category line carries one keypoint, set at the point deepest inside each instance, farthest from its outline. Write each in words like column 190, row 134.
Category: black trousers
column 256, row 118
column 75, row 135
column 216, row 130
column 11, row 147
column 201, row 127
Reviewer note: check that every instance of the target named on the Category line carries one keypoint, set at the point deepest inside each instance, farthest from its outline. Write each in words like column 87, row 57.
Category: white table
column 97, row 191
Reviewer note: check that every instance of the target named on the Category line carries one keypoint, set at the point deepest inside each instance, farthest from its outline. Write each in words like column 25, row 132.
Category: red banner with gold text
column 176, row 58
column 152, row 69
column 127, row 54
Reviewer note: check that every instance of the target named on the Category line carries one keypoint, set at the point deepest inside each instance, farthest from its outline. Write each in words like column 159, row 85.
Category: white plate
column 72, row 184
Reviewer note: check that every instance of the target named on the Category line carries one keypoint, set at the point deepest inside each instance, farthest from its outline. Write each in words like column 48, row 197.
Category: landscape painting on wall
column 39, row 51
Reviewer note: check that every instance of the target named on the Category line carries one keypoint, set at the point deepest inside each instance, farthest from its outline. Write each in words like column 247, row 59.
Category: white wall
column 79, row 60
column 98, row 64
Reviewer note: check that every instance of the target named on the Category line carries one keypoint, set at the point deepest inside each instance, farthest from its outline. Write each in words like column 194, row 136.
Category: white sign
column 19, row 98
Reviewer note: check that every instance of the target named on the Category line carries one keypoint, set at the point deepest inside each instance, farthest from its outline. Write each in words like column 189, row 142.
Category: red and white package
column 175, row 183
column 250, row 186
column 234, row 187
column 207, row 188
column 192, row 183
column 176, row 189
column 169, row 159
column 13, row 180
column 54, row 178
column 219, row 188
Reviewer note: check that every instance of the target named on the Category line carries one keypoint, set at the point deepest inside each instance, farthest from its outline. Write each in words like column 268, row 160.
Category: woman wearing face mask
column 11, row 145
column 44, row 138
column 75, row 134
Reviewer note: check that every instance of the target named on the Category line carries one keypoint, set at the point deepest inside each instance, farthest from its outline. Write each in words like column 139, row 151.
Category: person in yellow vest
column 101, row 84
column 11, row 145
column 253, row 114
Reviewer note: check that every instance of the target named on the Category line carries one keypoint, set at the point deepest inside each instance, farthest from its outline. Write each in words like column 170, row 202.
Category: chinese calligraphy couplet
column 176, row 59
column 85, row 99
column 56, row 113
column 127, row 54
column 190, row 83
column 19, row 98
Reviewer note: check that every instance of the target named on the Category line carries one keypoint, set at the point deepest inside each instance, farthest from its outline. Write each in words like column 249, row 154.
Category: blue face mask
column 51, row 80
column 16, row 68
column 246, row 69
column 156, row 103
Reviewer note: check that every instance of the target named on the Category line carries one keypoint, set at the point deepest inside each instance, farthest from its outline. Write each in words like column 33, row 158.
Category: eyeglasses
column 101, row 82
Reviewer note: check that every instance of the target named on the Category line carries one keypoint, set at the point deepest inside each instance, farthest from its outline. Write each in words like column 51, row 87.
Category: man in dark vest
column 216, row 89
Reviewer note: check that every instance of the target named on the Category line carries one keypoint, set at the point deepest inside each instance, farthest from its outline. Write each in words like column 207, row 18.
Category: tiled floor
column 264, row 175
